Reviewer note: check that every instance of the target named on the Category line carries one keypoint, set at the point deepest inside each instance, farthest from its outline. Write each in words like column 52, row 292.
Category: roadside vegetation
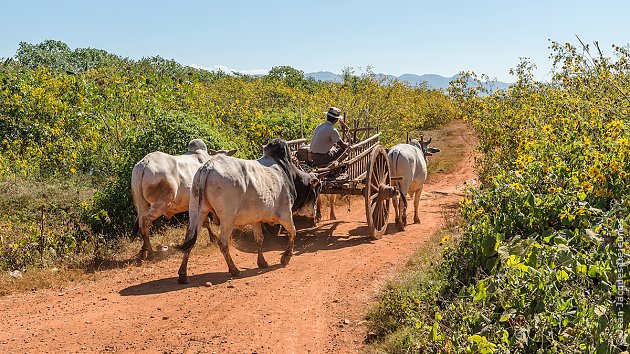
column 75, row 121
column 540, row 263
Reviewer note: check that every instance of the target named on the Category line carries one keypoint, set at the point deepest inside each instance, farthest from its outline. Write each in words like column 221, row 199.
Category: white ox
column 409, row 161
column 249, row 192
column 160, row 185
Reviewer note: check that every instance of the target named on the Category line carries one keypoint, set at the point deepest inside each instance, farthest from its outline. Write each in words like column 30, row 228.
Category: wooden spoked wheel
column 377, row 192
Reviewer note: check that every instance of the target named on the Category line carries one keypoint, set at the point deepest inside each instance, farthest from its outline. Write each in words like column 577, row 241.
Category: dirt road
column 316, row 304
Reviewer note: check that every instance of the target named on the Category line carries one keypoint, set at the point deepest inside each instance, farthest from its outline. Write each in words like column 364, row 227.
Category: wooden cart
column 363, row 169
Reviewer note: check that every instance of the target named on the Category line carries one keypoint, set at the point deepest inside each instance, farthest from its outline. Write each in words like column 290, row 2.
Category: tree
column 291, row 77
column 51, row 53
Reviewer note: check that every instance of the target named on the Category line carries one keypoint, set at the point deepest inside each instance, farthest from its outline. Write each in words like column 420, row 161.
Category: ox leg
column 146, row 250
column 145, row 225
column 224, row 245
column 143, row 229
column 194, row 227
column 259, row 237
column 403, row 209
column 208, row 225
column 416, row 203
column 397, row 201
column 318, row 212
column 331, row 201
column 286, row 256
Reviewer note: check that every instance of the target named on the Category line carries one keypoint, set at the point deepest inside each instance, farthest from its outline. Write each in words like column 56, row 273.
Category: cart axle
column 386, row 192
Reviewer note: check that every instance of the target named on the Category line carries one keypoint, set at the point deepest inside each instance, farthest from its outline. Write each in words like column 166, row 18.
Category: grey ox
column 160, row 185
column 250, row 192
column 410, row 162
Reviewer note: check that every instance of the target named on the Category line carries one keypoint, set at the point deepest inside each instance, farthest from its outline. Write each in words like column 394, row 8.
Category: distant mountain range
column 431, row 80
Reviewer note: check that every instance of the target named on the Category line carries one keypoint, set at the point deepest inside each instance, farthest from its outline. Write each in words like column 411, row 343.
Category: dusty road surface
column 316, row 304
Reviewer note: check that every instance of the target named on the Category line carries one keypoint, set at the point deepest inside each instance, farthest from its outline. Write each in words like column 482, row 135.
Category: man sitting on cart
column 326, row 143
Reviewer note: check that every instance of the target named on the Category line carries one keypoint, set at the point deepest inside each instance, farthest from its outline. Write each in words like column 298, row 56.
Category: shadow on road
column 98, row 264
column 308, row 240
column 168, row 285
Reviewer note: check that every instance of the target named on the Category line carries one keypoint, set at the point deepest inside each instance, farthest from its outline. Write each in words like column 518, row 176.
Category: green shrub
column 41, row 220
column 112, row 210
column 68, row 113
column 543, row 253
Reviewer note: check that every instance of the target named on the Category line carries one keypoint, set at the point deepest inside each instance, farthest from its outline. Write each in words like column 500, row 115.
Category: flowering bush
column 542, row 262
column 87, row 112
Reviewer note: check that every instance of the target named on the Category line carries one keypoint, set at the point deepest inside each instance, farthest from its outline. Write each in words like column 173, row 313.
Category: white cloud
column 229, row 70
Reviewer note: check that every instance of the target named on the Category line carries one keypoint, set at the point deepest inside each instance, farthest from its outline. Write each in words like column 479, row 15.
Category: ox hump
column 196, row 145
column 277, row 149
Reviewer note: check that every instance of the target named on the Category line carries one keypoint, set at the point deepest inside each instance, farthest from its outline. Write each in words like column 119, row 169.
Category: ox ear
column 231, row 152
column 314, row 181
column 433, row 150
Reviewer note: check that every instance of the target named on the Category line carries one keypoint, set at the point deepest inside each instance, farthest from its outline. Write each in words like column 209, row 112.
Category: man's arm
column 336, row 139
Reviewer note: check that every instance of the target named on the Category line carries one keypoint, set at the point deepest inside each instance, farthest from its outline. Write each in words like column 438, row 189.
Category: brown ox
column 160, row 185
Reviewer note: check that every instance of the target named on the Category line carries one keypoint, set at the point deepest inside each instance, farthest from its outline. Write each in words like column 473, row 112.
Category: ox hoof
column 416, row 220
column 145, row 255
column 262, row 264
column 235, row 272
column 400, row 225
column 183, row 279
column 285, row 259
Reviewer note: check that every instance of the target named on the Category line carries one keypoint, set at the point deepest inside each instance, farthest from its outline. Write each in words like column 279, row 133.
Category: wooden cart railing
column 363, row 169
column 294, row 145
column 359, row 157
column 353, row 162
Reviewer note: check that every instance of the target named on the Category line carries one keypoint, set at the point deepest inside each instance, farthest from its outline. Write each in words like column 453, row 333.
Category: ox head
column 313, row 190
column 424, row 146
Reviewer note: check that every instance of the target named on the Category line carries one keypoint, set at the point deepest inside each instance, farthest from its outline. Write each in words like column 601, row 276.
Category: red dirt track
column 316, row 304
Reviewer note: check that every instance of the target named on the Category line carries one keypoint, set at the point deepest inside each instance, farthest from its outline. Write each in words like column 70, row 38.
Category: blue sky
column 393, row 36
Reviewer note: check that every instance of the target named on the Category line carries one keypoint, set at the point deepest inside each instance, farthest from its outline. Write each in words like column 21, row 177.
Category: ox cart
column 363, row 169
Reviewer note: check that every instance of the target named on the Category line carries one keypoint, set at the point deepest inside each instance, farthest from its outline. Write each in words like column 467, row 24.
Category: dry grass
column 119, row 254
column 35, row 279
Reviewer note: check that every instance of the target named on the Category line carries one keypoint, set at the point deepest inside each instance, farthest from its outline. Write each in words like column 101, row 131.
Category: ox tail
column 395, row 155
column 393, row 162
column 199, row 191
column 137, row 175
